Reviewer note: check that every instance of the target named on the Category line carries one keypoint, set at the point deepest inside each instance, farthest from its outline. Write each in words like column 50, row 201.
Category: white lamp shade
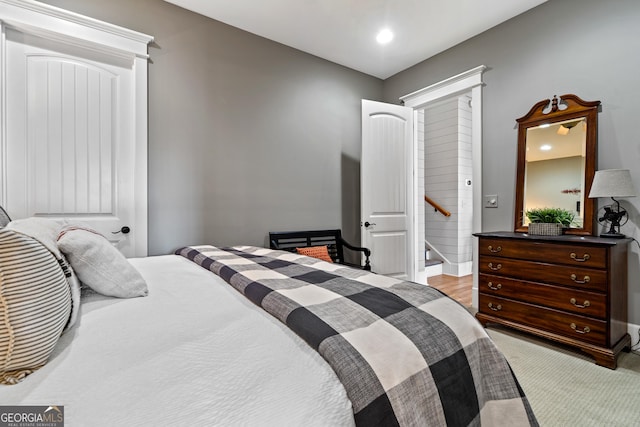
column 612, row 183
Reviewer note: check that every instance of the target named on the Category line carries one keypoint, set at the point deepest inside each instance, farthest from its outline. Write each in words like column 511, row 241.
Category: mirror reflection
column 557, row 150
column 555, row 167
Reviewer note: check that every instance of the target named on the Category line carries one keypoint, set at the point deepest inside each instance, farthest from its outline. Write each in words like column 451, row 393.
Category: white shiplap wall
column 448, row 165
column 465, row 192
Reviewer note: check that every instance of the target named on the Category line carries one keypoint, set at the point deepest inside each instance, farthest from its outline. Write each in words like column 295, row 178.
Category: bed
column 202, row 345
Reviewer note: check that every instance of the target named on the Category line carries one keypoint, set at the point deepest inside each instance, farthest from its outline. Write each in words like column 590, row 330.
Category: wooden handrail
column 436, row 206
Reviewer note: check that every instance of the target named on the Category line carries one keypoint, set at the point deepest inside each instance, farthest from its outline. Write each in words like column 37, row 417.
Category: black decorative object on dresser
column 570, row 289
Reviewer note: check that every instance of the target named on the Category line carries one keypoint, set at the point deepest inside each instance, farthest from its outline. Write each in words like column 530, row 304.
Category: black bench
column 290, row 240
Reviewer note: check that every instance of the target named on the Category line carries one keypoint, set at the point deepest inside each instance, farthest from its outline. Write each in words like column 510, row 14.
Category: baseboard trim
column 634, row 332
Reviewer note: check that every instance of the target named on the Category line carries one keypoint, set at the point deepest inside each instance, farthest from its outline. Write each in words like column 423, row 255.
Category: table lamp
column 612, row 183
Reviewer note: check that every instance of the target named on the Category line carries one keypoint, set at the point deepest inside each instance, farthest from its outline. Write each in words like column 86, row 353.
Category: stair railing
column 436, row 206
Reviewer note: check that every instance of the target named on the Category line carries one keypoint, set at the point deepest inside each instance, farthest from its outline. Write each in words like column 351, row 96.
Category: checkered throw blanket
column 406, row 353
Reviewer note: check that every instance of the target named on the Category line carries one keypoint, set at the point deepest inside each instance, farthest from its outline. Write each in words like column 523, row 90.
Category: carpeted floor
column 566, row 388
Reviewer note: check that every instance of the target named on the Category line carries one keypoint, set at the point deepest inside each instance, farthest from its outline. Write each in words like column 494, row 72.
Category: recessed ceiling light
column 545, row 147
column 384, row 36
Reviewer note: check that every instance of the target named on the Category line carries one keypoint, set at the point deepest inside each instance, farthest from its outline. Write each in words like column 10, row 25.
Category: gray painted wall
column 586, row 47
column 245, row 135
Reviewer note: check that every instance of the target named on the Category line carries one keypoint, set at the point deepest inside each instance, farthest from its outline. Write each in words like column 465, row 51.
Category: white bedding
column 194, row 352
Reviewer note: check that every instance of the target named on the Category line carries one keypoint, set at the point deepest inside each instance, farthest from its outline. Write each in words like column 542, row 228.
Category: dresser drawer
column 570, row 325
column 567, row 254
column 575, row 277
column 567, row 299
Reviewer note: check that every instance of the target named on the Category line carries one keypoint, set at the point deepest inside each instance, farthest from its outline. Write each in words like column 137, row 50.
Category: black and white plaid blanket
column 406, row 354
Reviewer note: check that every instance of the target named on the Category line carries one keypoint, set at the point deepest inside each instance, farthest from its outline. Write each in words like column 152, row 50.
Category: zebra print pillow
column 36, row 304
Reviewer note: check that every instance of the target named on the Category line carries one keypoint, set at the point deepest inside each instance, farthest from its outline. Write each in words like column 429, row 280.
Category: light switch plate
column 491, row 201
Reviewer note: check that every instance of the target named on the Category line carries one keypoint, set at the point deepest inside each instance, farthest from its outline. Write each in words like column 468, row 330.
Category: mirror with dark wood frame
column 557, row 160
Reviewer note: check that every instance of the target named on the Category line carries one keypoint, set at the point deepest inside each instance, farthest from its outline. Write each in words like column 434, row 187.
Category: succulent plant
column 551, row 215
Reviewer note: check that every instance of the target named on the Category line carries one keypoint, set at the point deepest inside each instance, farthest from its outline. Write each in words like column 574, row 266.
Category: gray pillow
column 4, row 218
column 99, row 265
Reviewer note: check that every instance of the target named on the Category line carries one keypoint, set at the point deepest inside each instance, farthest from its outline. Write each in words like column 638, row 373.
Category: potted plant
column 549, row 221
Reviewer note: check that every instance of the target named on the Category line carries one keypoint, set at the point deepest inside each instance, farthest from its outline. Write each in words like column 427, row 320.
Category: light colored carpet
column 566, row 388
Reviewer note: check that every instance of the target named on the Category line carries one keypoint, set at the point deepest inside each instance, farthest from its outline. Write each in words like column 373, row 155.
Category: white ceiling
column 343, row 31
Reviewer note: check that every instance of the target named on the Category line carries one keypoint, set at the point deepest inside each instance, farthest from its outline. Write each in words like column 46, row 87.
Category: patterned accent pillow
column 46, row 231
column 36, row 305
column 320, row 252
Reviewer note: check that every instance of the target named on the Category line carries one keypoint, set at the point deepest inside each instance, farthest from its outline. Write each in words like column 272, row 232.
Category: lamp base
column 613, row 235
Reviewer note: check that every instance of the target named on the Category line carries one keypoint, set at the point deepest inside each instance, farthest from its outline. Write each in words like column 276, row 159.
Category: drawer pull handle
column 586, row 279
column 584, row 258
column 494, row 287
column 584, row 304
column 495, row 308
column 584, row 330
column 496, row 268
column 494, row 250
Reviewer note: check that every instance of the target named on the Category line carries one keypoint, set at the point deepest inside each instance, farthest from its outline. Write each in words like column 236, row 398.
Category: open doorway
column 467, row 84
column 445, row 129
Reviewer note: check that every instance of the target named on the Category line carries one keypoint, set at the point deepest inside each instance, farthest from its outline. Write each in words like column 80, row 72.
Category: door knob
column 123, row 230
column 367, row 223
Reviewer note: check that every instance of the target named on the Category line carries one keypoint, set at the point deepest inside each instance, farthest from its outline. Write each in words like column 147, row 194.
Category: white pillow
column 44, row 230
column 99, row 265
column 36, row 304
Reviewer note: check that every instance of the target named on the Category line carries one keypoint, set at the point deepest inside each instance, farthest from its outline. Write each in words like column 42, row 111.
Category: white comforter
column 194, row 352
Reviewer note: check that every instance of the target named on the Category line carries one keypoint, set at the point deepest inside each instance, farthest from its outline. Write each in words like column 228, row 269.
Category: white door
column 70, row 142
column 386, row 186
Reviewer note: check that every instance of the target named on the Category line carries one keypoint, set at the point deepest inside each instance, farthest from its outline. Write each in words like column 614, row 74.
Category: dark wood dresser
column 570, row 289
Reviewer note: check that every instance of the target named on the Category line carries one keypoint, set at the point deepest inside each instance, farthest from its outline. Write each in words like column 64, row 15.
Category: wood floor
column 458, row 288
